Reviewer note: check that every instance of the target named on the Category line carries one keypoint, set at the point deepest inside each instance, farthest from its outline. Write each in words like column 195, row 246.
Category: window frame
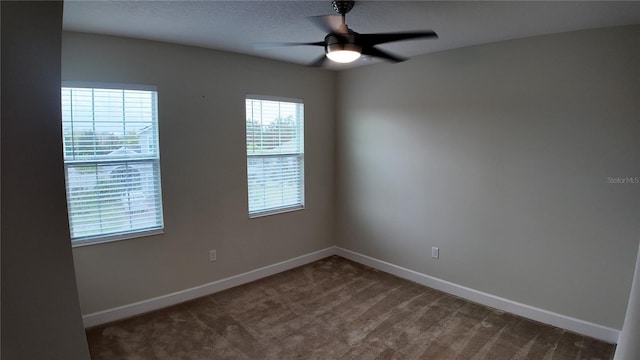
column 79, row 241
column 299, row 155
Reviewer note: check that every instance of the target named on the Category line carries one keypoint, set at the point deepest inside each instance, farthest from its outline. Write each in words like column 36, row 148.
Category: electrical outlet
column 212, row 255
column 435, row 252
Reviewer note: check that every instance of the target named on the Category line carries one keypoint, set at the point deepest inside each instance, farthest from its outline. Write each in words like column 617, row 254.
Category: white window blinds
column 111, row 158
column 275, row 154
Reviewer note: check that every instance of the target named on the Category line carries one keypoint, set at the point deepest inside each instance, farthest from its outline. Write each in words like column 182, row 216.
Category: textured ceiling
column 236, row 25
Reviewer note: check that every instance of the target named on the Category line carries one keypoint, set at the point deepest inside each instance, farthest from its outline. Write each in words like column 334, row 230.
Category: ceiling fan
column 343, row 45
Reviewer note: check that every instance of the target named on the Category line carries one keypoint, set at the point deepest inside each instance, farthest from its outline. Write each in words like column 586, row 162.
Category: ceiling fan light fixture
column 343, row 56
column 343, row 53
column 343, row 45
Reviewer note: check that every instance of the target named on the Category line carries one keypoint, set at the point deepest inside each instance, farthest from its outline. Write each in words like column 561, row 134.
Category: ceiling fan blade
column 382, row 38
column 327, row 23
column 269, row 45
column 319, row 62
column 372, row 51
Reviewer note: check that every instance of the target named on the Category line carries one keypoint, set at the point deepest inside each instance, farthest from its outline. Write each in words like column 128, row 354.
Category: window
column 112, row 162
column 275, row 154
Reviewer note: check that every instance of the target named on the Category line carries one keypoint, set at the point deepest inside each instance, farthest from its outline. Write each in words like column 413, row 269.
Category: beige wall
column 40, row 310
column 201, row 118
column 499, row 155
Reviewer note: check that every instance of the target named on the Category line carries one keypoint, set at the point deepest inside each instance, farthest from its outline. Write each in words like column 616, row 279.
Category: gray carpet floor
column 336, row 309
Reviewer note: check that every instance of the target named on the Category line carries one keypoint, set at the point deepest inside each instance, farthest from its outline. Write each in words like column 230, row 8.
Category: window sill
column 112, row 238
column 275, row 212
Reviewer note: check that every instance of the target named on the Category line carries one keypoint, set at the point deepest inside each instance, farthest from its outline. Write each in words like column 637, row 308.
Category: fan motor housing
column 335, row 42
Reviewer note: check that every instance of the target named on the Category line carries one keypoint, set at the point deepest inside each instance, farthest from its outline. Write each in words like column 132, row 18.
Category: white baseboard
column 558, row 320
column 565, row 322
column 129, row 310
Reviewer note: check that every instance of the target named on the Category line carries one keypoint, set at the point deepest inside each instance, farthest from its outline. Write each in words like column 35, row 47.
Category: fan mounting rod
column 342, row 8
